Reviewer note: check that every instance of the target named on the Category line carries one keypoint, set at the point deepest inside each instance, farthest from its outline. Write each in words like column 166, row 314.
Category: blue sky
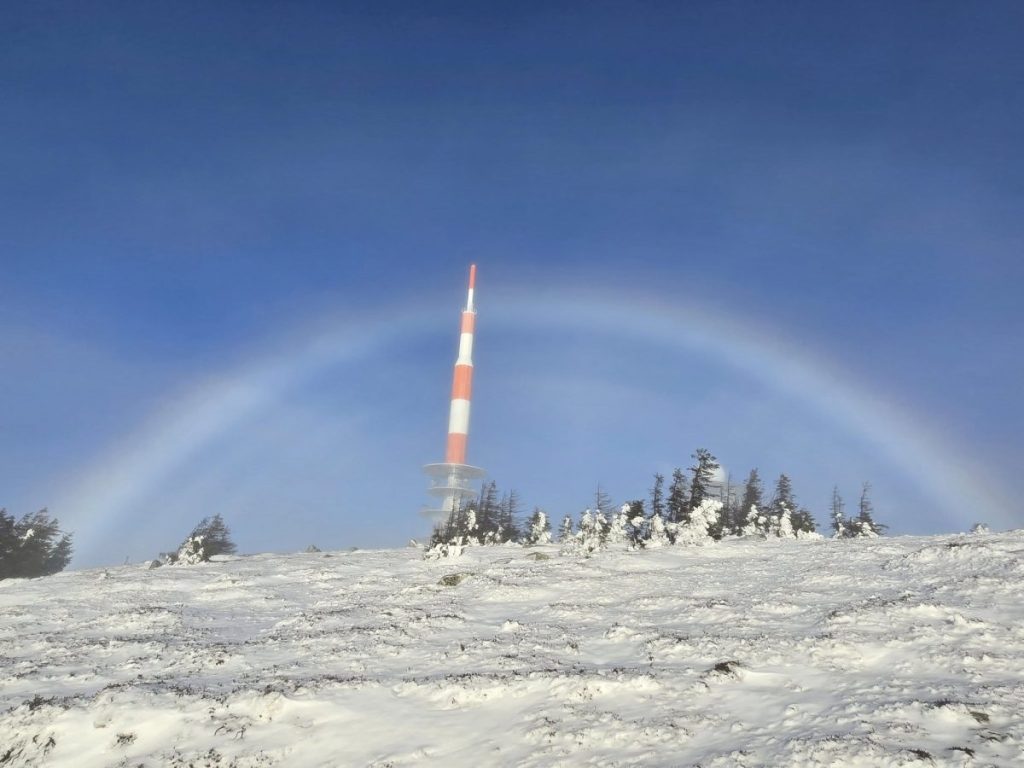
column 190, row 196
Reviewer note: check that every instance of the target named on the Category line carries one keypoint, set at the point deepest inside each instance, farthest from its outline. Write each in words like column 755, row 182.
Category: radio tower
column 453, row 481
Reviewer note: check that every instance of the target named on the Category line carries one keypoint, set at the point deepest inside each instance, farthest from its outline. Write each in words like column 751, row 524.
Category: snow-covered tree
column 539, row 528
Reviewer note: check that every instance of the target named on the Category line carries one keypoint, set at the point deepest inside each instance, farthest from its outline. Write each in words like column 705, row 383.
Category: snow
column 897, row 651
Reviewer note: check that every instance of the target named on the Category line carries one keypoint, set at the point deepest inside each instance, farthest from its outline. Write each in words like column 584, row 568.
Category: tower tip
column 472, row 276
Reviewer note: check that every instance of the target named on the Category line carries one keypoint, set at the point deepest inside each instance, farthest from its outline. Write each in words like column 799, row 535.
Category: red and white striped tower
column 452, row 481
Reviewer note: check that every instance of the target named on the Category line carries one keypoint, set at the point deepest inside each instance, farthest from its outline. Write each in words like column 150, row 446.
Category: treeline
column 693, row 508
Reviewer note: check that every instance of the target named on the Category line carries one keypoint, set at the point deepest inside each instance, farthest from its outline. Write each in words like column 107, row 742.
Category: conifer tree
column 783, row 496
column 678, row 501
column 803, row 521
column 839, row 522
column 658, row 496
column 32, row 546
column 603, row 502
column 752, row 494
column 703, row 474
column 487, row 511
column 865, row 517
column 509, row 526
column 210, row 537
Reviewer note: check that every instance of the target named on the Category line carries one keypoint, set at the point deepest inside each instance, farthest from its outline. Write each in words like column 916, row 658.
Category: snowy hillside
column 898, row 651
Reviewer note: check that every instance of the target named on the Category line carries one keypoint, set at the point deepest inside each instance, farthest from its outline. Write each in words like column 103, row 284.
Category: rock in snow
column 893, row 651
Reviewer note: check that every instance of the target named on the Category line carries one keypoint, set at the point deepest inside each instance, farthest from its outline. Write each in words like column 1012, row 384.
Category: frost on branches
column 191, row 552
column 540, row 529
column 591, row 536
column 696, row 529
column 658, row 532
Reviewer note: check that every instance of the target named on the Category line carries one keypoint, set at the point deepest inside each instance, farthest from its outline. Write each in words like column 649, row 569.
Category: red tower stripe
column 468, row 322
column 456, row 452
column 462, row 385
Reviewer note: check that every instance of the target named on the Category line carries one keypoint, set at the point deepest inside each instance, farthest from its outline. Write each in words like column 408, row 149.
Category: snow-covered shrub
column 781, row 525
column 657, row 532
column 697, row 529
column 565, row 530
column 980, row 528
column 862, row 529
column 458, row 531
column 590, row 537
column 618, row 531
column 443, row 549
column 191, row 552
column 756, row 524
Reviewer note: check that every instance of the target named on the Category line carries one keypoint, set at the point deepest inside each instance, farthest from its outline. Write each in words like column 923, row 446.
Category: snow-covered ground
column 896, row 651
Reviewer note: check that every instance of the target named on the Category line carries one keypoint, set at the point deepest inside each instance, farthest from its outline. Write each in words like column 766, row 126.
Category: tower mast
column 452, row 482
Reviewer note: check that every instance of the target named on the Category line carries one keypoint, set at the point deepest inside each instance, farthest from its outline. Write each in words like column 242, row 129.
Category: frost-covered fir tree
column 783, row 499
column 781, row 523
column 539, row 531
column 657, row 535
column 565, row 530
column 618, row 532
column 589, row 538
column 750, row 505
column 636, row 528
column 755, row 524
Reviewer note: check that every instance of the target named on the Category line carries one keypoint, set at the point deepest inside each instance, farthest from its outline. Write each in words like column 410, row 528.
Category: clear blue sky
column 189, row 192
